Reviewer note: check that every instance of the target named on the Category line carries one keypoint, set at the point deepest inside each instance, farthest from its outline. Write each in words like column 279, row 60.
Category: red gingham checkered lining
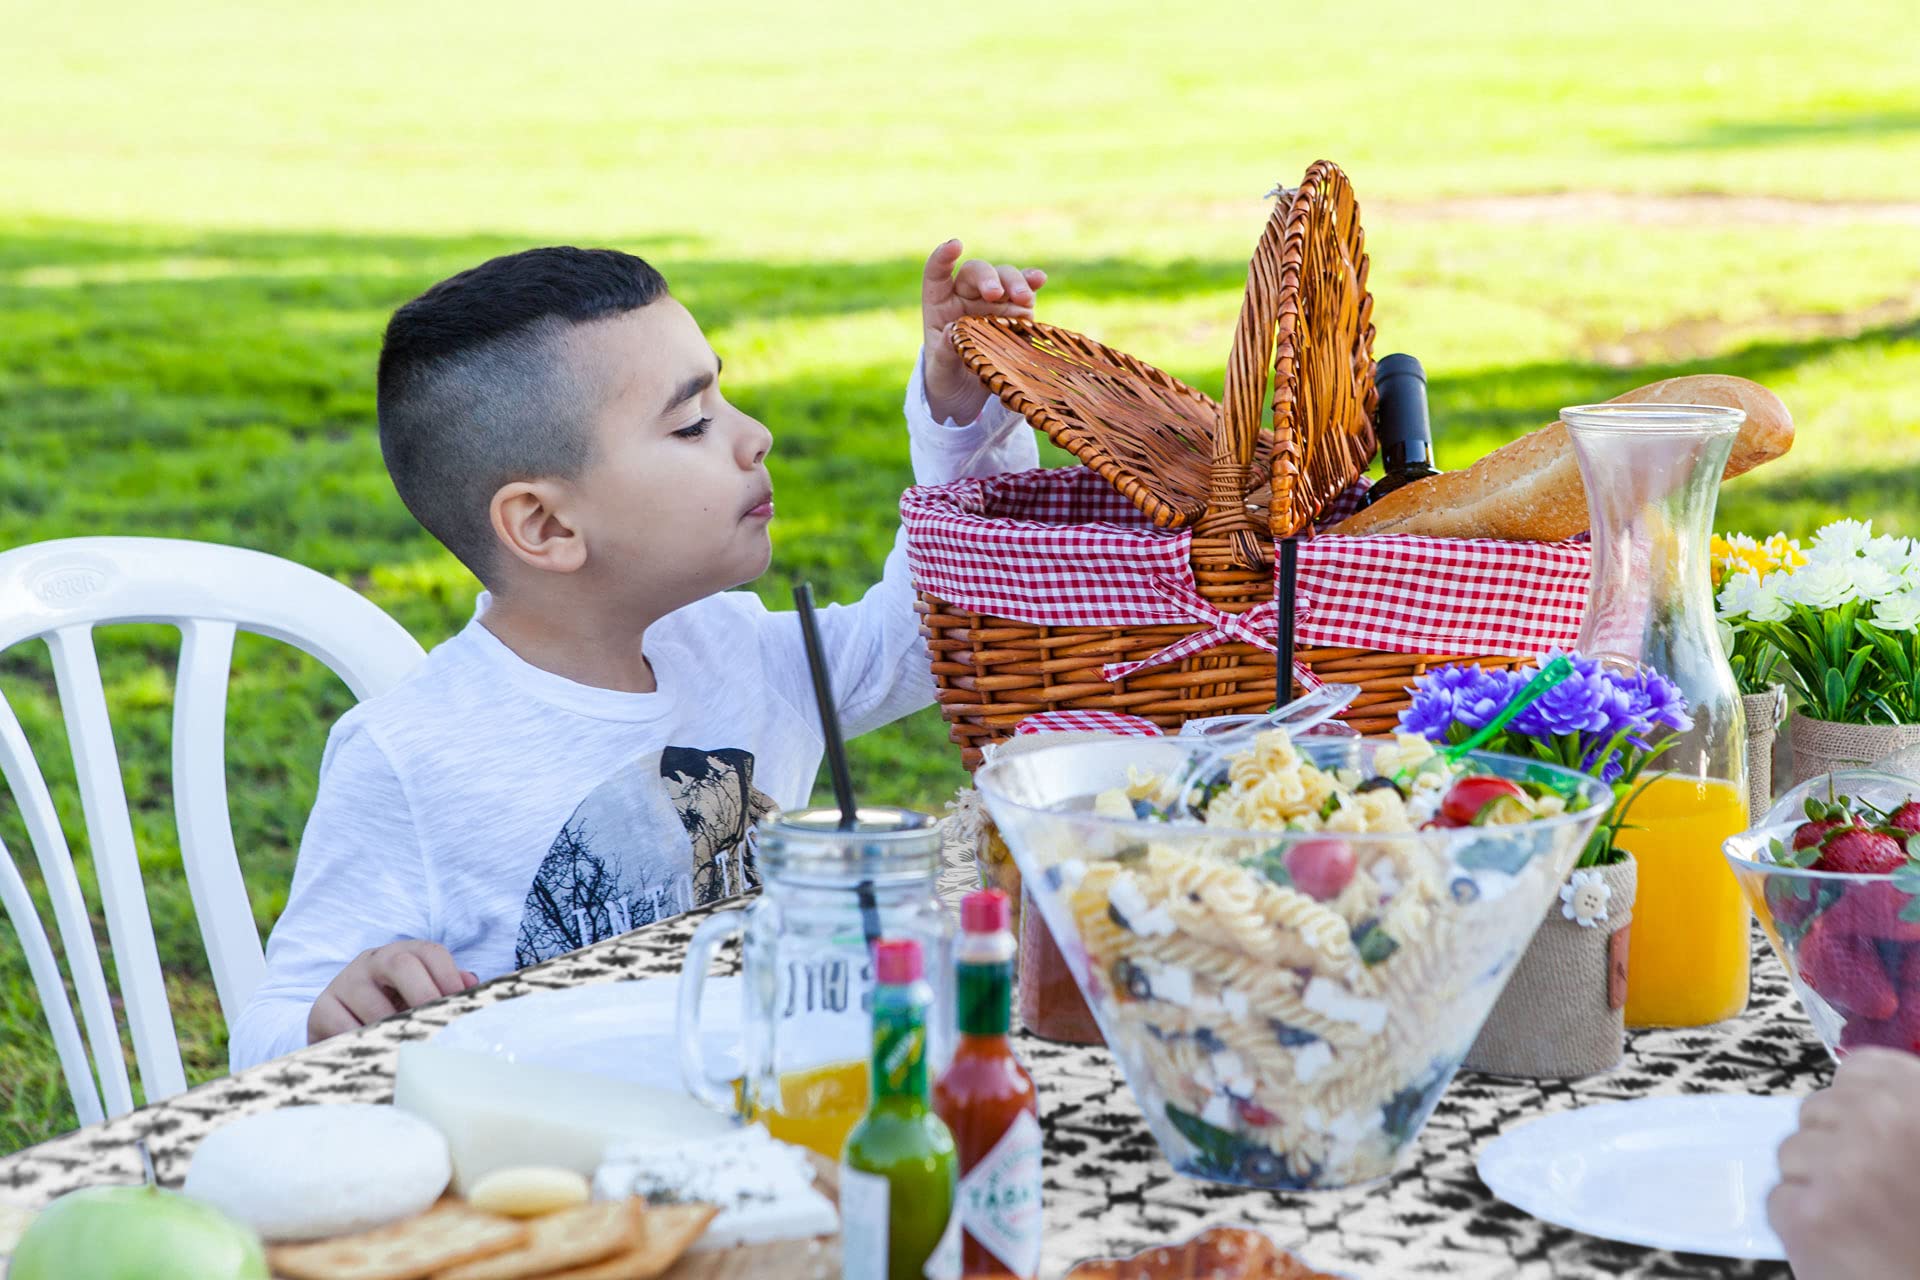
column 1088, row 721
column 1440, row 595
column 1061, row 547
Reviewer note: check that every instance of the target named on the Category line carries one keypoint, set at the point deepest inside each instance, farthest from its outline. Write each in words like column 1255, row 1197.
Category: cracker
column 669, row 1231
column 446, row 1235
column 568, row 1238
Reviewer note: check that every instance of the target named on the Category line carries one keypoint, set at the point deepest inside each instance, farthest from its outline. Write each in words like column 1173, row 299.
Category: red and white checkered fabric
column 1405, row 594
column 1061, row 547
column 1088, row 722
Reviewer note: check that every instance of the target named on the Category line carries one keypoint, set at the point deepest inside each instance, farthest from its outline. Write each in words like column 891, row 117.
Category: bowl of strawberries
column 1837, row 890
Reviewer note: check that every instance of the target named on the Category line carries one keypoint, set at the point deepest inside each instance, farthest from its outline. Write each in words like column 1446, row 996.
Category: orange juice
column 1687, row 957
column 818, row 1106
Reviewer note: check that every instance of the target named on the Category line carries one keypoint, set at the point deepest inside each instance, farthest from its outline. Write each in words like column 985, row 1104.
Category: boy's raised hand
column 977, row 289
column 381, row 982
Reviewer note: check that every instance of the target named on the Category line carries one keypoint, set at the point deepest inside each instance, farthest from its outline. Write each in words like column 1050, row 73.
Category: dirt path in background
column 1703, row 209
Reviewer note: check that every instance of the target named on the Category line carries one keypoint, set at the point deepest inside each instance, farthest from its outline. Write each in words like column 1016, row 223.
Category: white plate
column 1689, row 1174
column 620, row 1029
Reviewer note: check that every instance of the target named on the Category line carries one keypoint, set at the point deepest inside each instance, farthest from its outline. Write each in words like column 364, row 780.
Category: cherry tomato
column 1466, row 798
column 1320, row 868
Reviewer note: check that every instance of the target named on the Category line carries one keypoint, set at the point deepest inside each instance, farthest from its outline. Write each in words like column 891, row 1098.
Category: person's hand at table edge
column 1843, row 1208
column 977, row 289
column 382, row 982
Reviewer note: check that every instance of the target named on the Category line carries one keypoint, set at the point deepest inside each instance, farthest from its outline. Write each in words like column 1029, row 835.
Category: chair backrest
column 59, row 591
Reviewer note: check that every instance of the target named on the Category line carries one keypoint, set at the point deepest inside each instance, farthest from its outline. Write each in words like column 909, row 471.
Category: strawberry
column 1808, row 834
column 1885, row 1033
column 1906, row 817
column 1860, row 851
column 1873, row 911
column 1791, row 900
column 1846, row 970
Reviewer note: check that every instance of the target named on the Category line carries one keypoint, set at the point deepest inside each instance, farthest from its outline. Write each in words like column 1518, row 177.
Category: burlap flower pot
column 1821, row 746
column 1764, row 713
column 1563, row 1014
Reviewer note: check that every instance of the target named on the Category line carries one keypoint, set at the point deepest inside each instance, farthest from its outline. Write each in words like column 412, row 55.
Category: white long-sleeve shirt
column 514, row 815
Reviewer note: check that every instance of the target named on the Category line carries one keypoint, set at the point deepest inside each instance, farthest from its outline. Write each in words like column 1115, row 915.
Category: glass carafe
column 807, row 974
column 1652, row 476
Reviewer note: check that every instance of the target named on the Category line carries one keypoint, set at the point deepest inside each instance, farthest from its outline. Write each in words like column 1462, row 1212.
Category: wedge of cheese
column 764, row 1188
column 500, row 1115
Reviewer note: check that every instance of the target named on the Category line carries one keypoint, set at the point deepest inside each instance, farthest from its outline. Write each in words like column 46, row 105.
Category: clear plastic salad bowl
column 1845, row 939
column 1280, row 1024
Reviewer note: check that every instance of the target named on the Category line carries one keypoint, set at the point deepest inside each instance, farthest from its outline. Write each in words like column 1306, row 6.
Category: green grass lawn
column 206, row 217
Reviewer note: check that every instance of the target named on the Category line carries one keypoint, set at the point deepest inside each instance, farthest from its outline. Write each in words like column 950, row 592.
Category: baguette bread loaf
column 1530, row 490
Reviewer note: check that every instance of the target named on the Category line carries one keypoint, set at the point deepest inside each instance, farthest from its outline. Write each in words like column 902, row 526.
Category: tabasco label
column 999, row 1198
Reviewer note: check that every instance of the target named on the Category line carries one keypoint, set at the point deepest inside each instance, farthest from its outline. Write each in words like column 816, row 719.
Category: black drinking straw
column 1289, row 576
column 836, row 744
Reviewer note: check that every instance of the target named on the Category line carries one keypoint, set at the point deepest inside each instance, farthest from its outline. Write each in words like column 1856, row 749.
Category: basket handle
column 1243, row 404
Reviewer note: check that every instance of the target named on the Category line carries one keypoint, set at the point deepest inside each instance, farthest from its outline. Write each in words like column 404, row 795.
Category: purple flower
column 1602, row 714
column 1465, row 695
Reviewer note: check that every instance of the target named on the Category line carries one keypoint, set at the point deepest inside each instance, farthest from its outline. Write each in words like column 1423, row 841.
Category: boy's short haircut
column 476, row 387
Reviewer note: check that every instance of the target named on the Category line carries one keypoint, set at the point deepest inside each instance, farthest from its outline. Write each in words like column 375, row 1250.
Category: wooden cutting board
column 817, row 1259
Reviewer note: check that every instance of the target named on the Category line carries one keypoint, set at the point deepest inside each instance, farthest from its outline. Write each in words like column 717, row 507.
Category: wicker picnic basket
column 1187, row 462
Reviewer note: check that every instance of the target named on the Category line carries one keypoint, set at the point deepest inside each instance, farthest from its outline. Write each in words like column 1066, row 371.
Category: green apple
column 136, row 1233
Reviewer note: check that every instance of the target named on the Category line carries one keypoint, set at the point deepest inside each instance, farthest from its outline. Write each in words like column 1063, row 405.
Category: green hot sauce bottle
column 898, row 1172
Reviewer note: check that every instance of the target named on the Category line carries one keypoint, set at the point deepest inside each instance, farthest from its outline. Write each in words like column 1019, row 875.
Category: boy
column 591, row 751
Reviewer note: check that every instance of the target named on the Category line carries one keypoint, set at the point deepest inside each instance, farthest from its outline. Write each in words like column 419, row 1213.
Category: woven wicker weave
column 1305, row 331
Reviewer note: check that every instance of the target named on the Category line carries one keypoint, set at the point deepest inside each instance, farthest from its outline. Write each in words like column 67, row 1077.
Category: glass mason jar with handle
column 1652, row 475
column 807, row 969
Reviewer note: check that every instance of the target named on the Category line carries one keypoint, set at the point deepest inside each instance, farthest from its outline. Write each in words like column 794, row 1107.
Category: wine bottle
column 1401, row 425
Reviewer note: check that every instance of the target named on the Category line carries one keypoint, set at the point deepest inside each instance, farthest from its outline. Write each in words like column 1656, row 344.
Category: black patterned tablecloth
column 1107, row 1188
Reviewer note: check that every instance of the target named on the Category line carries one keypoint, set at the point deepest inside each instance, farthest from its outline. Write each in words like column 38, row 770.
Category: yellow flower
column 1740, row 553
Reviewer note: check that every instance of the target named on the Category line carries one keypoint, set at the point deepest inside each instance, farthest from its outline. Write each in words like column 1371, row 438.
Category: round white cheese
column 305, row 1173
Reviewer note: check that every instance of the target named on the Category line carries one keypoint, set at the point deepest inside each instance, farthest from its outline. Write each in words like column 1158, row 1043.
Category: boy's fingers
column 1035, row 277
column 329, row 1018
column 939, row 272
column 364, row 999
column 1013, row 286
column 978, row 279
column 439, row 963
column 468, row 981
column 407, row 978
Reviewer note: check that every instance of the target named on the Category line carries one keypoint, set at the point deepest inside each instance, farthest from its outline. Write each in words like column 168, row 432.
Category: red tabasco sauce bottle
column 987, row 1099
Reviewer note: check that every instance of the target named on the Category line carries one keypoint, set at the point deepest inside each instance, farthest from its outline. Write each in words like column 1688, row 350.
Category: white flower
column 1873, row 582
column 1820, row 584
column 1899, row 557
column 1841, row 538
column 1584, row 898
column 1737, row 593
column 1898, row 612
column 1767, row 604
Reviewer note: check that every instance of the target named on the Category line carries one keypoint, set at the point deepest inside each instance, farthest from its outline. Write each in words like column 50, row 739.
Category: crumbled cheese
column 1146, row 920
column 1219, row 1112
column 1310, row 1060
column 764, row 1188
column 1236, row 1003
column 1233, row 1074
column 1174, row 984
column 1331, row 1000
column 1072, row 872
column 1386, row 875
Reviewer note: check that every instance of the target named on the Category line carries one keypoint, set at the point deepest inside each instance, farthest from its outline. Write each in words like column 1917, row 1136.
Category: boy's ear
column 526, row 518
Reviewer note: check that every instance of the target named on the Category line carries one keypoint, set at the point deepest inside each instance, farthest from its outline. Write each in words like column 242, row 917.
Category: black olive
column 1264, row 1169
column 1208, row 1041
column 1464, row 890
column 1290, row 1037
column 1376, row 784
column 1132, row 979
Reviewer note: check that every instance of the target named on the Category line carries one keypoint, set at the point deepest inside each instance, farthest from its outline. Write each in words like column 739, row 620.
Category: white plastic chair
column 59, row 591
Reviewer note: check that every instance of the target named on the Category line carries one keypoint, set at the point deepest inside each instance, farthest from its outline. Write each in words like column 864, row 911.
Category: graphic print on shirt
column 674, row 831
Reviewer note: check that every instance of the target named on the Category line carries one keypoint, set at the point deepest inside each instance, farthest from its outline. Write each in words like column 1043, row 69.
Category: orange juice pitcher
column 807, row 973
column 1652, row 475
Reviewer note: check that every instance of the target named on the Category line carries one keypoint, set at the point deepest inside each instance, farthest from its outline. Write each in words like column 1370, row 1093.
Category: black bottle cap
column 1397, row 365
